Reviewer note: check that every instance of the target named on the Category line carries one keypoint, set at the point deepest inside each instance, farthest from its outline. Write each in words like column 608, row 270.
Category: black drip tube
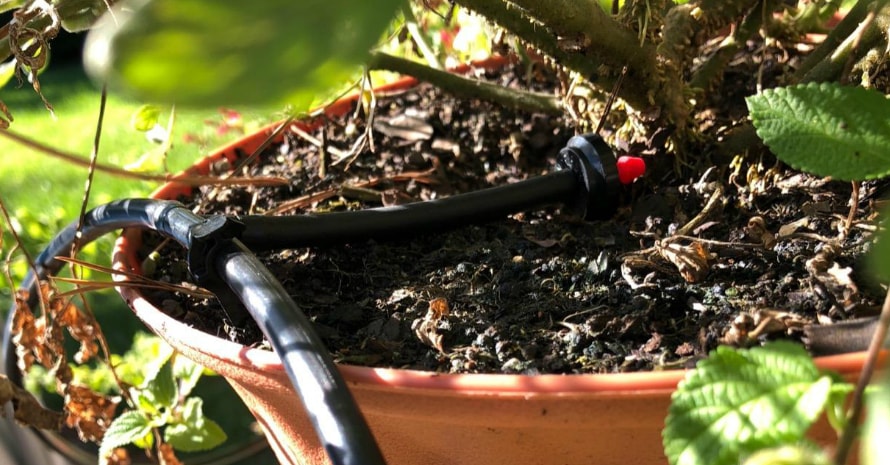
column 586, row 182
column 220, row 259
column 325, row 395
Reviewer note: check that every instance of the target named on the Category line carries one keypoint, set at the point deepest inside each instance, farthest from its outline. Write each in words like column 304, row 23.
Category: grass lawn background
column 44, row 193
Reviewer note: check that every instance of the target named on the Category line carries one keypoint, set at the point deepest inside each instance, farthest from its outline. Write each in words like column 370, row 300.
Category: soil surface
column 733, row 255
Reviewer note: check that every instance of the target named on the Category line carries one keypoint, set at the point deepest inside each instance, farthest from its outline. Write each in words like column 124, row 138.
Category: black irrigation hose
column 587, row 182
column 405, row 221
column 324, row 393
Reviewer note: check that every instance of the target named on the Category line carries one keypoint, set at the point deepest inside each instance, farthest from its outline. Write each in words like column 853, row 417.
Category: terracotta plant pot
column 421, row 417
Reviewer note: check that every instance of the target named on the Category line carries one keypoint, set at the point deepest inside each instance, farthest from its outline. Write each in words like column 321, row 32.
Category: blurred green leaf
column 875, row 448
column 161, row 387
column 195, row 432
column 188, row 372
column 7, row 71
column 738, row 401
column 826, row 129
column 798, row 454
column 79, row 15
column 228, row 52
column 879, row 256
column 145, row 118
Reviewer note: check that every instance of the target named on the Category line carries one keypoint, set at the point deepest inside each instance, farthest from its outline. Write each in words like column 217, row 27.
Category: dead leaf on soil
column 747, row 327
column 406, row 126
column 691, row 260
column 756, row 230
column 841, row 275
column 427, row 328
column 788, row 229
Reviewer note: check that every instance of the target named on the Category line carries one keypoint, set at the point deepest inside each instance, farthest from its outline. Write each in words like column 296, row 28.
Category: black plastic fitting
column 209, row 238
column 595, row 167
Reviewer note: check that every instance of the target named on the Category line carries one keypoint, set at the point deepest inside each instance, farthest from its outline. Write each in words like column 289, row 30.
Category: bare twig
column 461, row 86
column 715, row 200
column 179, row 178
column 848, row 435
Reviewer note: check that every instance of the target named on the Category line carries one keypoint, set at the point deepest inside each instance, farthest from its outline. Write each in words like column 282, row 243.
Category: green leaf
column 875, row 448
column 188, row 372
column 879, row 256
column 7, row 71
column 789, row 455
column 826, row 129
column 145, row 118
column 131, row 426
column 160, row 388
column 195, row 432
column 79, row 15
column 739, row 401
column 230, row 52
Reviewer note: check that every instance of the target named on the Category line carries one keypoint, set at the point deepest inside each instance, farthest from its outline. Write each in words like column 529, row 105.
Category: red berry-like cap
column 630, row 168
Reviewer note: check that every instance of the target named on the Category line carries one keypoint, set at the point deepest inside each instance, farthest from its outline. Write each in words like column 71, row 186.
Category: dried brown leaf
column 89, row 413
column 788, row 229
column 691, row 260
column 6, row 116
column 166, row 455
column 26, row 334
column 427, row 329
column 82, row 328
column 756, row 230
column 119, row 456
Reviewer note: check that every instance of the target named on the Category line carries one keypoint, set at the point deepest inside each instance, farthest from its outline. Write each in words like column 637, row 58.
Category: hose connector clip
column 208, row 239
column 594, row 165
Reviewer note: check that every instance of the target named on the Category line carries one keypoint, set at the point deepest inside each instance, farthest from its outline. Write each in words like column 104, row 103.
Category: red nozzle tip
column 630, row 168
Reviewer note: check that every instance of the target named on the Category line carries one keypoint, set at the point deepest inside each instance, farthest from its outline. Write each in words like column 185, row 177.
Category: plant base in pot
column 430, row 417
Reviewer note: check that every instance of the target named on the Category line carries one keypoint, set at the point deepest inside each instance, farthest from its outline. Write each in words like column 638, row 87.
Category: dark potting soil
column 542, row 291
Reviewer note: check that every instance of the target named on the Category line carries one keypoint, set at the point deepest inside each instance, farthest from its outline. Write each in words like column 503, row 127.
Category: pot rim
column 848, row 365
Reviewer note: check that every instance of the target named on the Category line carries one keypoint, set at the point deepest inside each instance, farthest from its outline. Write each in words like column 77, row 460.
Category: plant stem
column 834, row 38
column 533, row 34
column 591, row 39
column 464, row 87
column 711, row 70
column 584, row 20
column 867, row 35
column 845, row 442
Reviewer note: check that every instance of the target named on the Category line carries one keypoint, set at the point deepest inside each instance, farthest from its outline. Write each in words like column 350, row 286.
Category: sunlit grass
column 44, row 193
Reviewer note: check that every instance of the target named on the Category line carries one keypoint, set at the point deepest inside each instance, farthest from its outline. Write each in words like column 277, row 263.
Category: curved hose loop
column 324, row 393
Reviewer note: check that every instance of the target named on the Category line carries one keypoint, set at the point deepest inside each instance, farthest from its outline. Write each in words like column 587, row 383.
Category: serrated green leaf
column 160, row 388
column 145, row 118
column 127, row 428
column 739, row 401
column 826, row 129
column 230, row 52
column 195, row 432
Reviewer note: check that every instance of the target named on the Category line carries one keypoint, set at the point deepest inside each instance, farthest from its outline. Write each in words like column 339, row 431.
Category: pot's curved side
column 429, row 418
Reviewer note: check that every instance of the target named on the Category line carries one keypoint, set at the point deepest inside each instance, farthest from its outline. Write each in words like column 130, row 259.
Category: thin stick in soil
column 848, row 435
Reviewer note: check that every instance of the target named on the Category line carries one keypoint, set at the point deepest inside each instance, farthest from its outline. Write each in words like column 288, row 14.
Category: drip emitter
column 221, row 258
